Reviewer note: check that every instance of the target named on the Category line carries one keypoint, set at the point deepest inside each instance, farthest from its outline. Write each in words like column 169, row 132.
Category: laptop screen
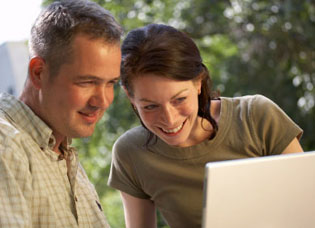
column 275, row 191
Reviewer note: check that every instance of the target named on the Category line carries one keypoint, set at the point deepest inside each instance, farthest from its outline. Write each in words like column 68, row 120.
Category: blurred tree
column 249, row 46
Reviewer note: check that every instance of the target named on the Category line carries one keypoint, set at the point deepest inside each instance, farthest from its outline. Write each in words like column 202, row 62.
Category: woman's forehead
column 153, row 88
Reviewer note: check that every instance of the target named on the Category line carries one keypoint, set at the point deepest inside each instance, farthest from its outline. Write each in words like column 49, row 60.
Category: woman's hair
column 164, row 51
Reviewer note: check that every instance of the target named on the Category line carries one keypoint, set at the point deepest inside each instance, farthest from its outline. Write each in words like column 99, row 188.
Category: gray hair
column 57, row 25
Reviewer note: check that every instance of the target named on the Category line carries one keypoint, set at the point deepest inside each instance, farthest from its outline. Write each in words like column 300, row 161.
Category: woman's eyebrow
column 178, row 93
column 148, row 100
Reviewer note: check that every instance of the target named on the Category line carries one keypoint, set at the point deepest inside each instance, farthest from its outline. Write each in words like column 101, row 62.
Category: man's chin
column 83, row 133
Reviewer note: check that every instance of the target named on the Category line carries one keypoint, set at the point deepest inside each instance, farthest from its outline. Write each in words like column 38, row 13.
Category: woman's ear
column 198, row 83
column 128, row 94
column 37, row 67
column 131, row 99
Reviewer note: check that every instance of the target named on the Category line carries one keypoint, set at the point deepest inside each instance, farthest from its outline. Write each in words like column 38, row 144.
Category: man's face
column 72, row 101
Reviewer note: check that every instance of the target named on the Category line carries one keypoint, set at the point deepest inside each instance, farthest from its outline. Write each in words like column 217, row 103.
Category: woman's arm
column 139, row 213
column 293, row 147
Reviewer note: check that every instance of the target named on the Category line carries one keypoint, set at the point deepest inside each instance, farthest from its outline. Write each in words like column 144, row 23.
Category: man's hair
column 58, row 24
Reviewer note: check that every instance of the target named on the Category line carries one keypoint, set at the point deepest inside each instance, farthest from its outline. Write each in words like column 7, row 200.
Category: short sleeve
column 273, row 127
column 123, row 174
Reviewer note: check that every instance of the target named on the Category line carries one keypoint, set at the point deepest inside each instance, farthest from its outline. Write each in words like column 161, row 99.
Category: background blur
column 250, row 47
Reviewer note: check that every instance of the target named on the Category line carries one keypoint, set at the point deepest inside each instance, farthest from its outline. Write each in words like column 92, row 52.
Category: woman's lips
column 175, row 130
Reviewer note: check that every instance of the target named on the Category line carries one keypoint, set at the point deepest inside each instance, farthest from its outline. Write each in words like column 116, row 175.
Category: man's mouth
column 90, row 117
column 88, row 114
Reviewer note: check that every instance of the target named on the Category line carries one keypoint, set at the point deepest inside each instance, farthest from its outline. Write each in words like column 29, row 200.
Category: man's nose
column 102, row 97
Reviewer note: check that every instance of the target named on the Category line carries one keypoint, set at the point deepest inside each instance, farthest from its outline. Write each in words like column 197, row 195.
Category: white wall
column 13, row 67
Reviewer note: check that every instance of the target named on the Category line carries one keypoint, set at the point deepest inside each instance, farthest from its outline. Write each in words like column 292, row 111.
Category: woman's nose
column 169, row 115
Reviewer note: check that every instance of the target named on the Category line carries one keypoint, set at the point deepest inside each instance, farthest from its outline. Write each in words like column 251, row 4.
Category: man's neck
column 30, row 97
column 59, row 139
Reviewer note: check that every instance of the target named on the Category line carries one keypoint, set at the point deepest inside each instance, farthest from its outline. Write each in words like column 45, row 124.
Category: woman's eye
column 180, row 100
column 149, row 107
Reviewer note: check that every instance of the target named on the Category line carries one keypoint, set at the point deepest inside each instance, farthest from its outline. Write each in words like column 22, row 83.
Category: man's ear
column 37, row 68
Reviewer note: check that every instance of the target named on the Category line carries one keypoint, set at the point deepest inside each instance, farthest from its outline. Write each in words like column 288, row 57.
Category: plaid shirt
column 37, row 187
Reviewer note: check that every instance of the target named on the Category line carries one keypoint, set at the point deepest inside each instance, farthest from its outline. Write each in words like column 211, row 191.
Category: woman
column 161, row 164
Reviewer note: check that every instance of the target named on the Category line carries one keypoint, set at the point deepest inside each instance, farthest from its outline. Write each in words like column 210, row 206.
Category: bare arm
column 139, row 213
column 293, row 147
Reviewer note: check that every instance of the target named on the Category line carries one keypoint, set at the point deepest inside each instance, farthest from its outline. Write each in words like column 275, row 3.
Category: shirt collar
column 26, row 120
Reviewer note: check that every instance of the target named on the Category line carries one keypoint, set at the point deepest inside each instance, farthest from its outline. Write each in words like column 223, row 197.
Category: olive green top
column 172, row 177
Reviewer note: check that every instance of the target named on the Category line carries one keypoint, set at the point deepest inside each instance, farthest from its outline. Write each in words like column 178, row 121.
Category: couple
column 75, row 61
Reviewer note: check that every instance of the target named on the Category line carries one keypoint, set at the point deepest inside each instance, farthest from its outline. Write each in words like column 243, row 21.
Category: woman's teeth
column 173, row 130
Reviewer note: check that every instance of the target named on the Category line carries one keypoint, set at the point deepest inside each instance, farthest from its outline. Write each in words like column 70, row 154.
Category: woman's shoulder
column 247, row 99
column 134, row 133
column 132, row 138
column 249, row 108
column 250, row 103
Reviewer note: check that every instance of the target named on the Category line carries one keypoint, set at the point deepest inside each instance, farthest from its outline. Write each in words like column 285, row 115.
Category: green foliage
column 249, row 46
column 113, row 209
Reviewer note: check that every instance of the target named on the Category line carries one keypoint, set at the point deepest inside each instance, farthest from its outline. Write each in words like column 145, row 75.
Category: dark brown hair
column 164, row 51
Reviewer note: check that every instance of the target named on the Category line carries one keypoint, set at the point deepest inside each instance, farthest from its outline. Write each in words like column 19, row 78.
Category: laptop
column 267, row 192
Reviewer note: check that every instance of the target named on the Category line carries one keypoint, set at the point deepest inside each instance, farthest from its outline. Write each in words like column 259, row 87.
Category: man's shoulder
column 7, row 128
column 9, row 106
column 11, row 138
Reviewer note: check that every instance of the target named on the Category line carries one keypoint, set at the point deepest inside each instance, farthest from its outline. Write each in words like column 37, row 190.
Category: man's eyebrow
column 95, row 78
column 88, row 77
column 147, row 100
column 117, row 78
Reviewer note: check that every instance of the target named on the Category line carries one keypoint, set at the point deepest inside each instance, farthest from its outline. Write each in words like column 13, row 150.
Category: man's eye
column 112, row 83
column 84, row 83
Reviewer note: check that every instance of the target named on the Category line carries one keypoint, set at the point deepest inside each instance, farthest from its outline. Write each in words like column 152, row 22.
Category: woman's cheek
column 147, row 117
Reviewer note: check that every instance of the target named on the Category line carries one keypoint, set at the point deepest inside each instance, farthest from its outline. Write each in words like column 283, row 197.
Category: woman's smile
column 168, row 108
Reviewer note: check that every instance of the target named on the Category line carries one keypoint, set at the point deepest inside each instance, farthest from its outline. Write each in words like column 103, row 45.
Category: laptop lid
column 266, row 192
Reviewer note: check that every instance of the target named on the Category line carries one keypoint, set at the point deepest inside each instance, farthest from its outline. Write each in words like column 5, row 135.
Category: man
column 75, row 62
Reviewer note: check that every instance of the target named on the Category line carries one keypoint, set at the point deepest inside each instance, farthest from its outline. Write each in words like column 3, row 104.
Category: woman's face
column 168, row 108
